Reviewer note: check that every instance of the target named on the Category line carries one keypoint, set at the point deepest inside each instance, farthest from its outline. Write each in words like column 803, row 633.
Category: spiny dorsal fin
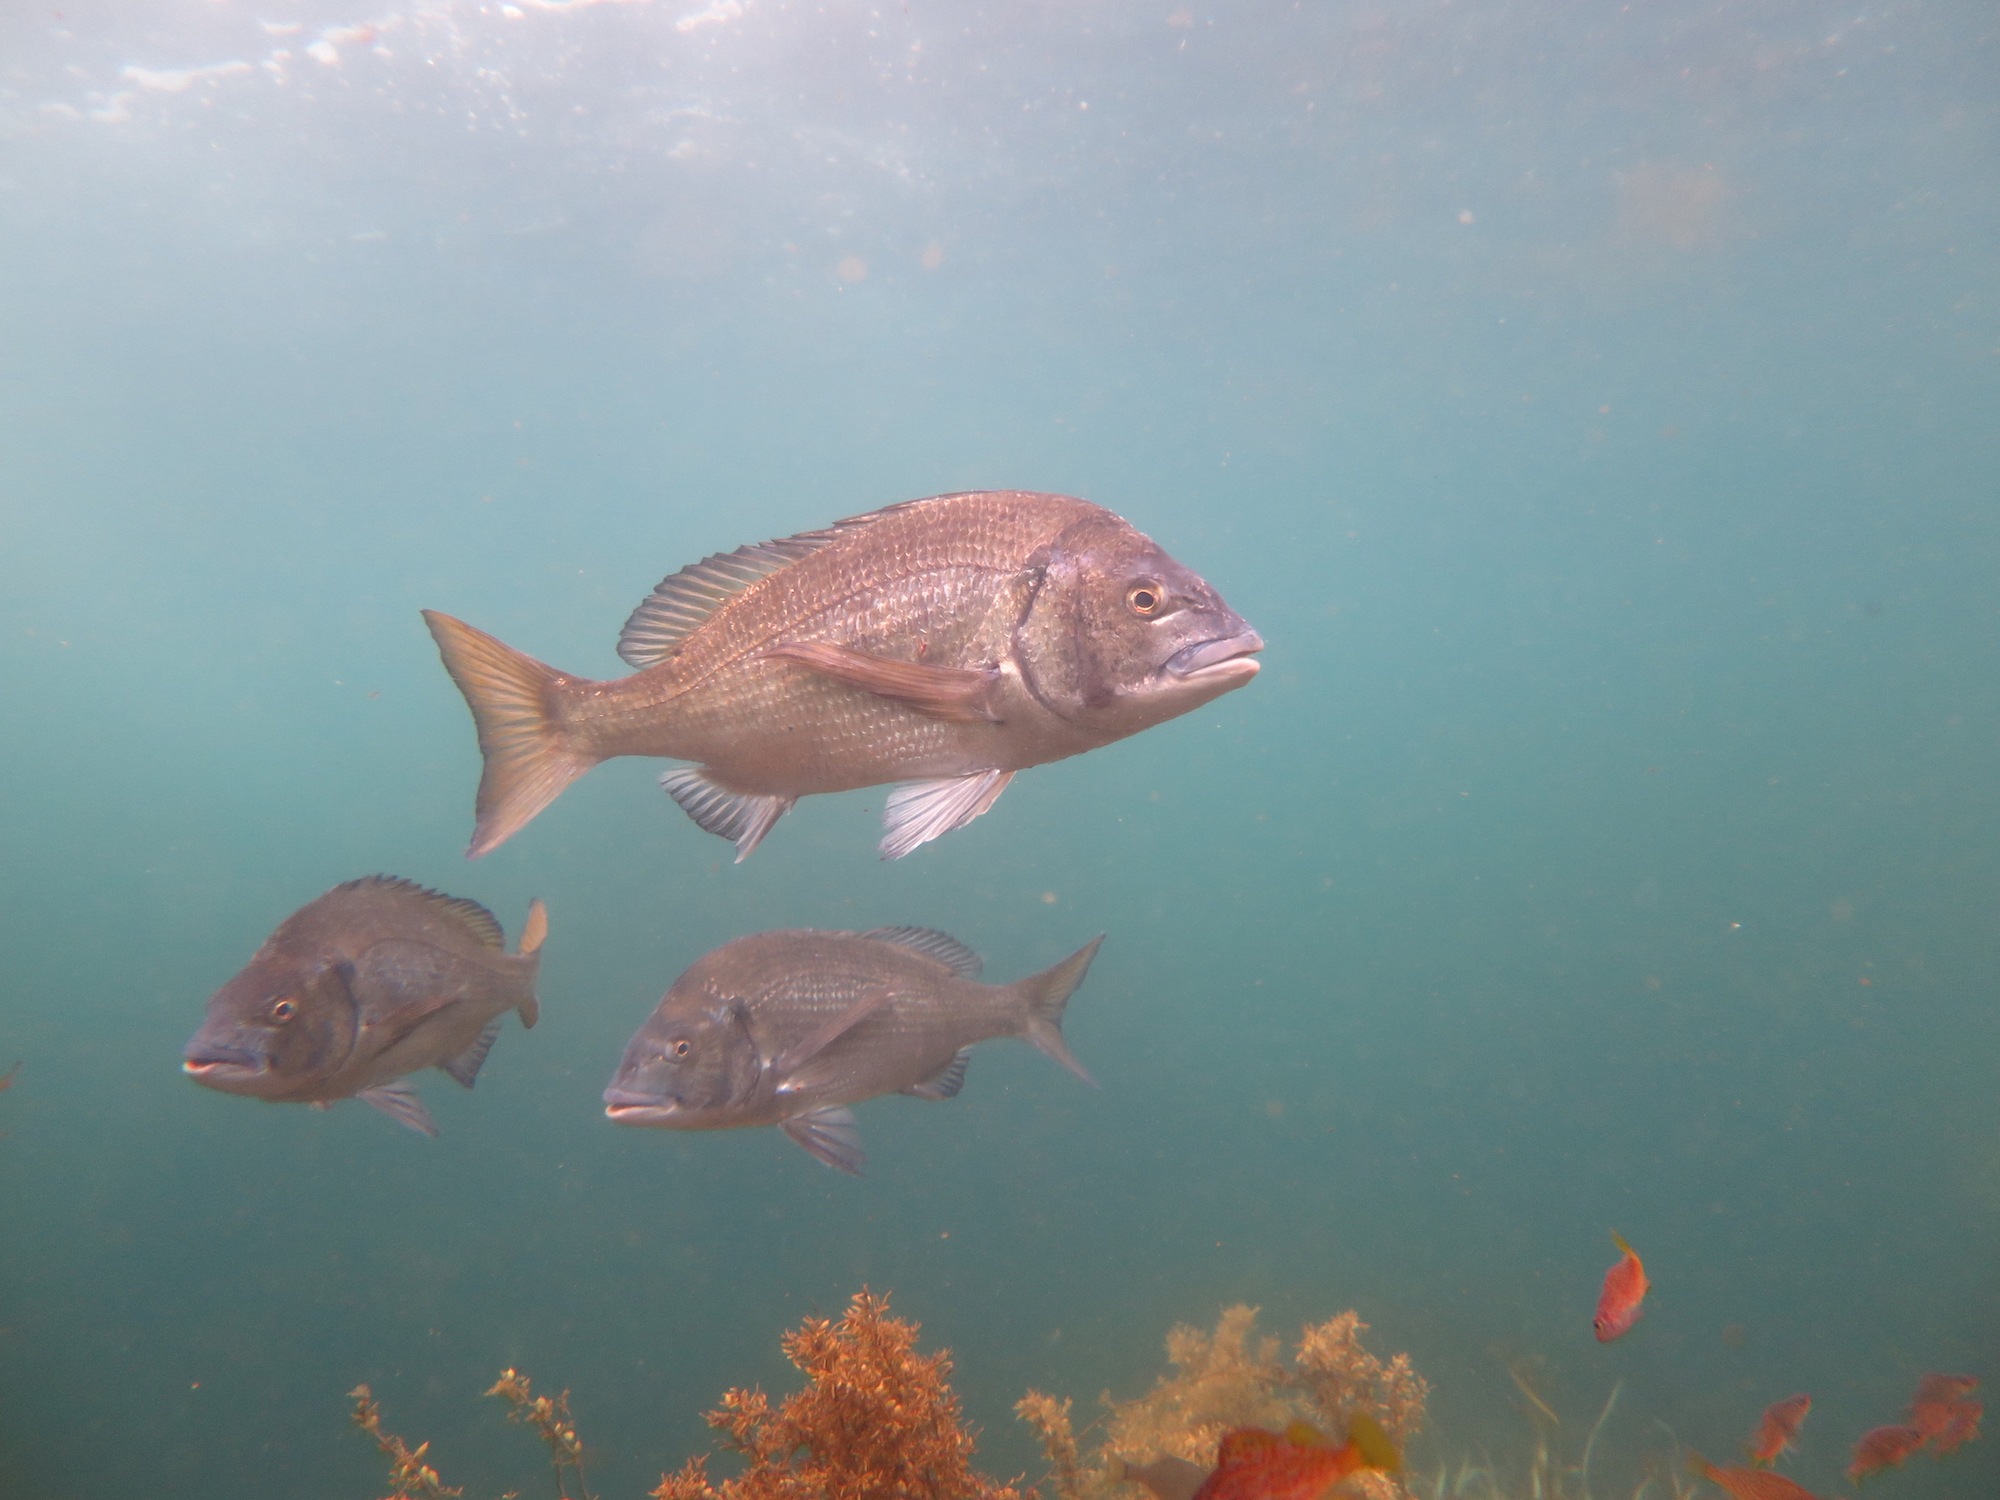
column 482, row 924
column 684, row 601
column 941, row 946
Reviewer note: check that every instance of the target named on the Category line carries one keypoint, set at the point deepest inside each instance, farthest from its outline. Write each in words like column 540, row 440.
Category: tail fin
column 534, row 932
column 527, row 762
column 1048, row 993
column 1374, row 1447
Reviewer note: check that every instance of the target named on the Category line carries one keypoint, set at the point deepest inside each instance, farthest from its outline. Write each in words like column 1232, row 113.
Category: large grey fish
column 789, row 1028
column 944, row 643
column 374, row 980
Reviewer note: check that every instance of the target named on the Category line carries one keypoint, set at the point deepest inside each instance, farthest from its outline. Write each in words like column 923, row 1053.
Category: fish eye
column 1145, row 599
column 683, row 1047
column 284, row 1010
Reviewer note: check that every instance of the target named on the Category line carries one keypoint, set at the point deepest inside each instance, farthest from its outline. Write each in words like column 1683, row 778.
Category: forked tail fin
column 1048, row 994
column 510, row 694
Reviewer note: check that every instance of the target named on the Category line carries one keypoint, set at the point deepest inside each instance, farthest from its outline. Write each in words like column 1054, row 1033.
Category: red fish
column 1778, row 1429
column 1750, row 1484
column 1297, row 1464
column 1882, row 1448
column 1625, row 1287
column 1963, row 1427
column 1936, row 1403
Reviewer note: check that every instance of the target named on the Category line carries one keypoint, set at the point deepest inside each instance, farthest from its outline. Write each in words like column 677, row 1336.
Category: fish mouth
column 211, row 1063
column 1231, row 652
column 628, row 1108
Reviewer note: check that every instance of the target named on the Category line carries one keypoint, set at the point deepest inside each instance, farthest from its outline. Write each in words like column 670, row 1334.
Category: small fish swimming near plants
column 1251, row 1463
column 942, row 644
column 1750, row 1484
column 790, row 1028
column 1882, row 1448
column 1625, row 1287
column 1778, row 1429
column 371, row 982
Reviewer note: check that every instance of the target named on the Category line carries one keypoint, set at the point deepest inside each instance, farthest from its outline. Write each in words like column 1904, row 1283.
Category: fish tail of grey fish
column 534, row 932
column 1047, row 995
column 528, row 759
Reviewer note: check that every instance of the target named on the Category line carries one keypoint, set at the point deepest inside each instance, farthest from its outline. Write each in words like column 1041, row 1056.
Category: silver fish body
column 789, row 1028
column 374, row 980
column 944, row 644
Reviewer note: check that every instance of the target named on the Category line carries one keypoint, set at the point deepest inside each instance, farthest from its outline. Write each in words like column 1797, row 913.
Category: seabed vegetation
column 877, row 1420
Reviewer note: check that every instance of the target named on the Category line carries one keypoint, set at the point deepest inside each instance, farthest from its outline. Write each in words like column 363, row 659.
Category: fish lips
column 1227, row 655
column 625, row 1107
column 223, row 1067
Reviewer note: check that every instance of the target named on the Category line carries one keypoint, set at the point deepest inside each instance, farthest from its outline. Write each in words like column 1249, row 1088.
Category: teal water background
column 1595, row 408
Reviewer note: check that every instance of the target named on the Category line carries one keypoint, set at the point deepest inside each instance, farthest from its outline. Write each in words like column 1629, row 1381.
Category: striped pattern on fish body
column 945, row 643
column 788, row 1028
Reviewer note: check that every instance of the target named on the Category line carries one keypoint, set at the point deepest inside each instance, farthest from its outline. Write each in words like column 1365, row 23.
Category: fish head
column 276, row 1027
column 1120, row 636
column 694, row 1065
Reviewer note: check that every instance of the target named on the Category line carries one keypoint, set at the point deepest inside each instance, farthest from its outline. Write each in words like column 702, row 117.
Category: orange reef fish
column 1625, row 1287
column 943, row 644
column 1778, row 1429
column 1251, row 1463
column 1943, row 1411
column 1882, row 1448
column 1750, row 1484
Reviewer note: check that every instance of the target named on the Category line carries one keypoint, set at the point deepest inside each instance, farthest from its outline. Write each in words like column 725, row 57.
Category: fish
column 1963, row 1427
column 941, row 645
column 1945, row 1413
column 1750, row 1484
column 789, row 1028
column 1882, row 1448
column 1252, row 1463
column 361, row 987
column 1778, row 1429
column 1625, row 1287
column 7, row 1078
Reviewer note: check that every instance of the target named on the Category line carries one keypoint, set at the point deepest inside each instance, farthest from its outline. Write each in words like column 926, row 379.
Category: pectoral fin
column 824, row 1035
column 464, row 1068
column 830, row 1134
column 918, row 811
column 399, row 1101
column 960, row 694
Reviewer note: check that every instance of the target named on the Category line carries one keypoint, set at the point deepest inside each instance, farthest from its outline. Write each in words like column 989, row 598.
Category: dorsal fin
column 482, row 924
column 941, row 946
column 685, row 600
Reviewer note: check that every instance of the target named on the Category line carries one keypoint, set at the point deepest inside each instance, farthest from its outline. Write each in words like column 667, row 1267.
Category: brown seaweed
column 876, row 1421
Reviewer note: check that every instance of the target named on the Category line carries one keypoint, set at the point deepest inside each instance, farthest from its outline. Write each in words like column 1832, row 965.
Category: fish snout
column 205, row 1059
column 630, row 1107
column 1231, row 651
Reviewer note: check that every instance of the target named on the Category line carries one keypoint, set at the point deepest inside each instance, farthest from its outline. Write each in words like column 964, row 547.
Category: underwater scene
column 1460, row 537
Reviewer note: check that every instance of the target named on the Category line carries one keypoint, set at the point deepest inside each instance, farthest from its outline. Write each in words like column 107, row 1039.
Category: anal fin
column 948, row 1081
column 918, row 811
column 741, row 817
column 398, row 1100
column 464, row 1068
column 831, row 1134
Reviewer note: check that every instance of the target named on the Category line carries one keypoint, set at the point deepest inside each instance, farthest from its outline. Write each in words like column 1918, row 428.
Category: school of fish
column 939, row 646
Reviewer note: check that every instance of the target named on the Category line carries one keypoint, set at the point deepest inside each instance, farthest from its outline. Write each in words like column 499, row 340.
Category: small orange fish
column 1882, row 1448
column 1625, row 1287
column 1750, row 1484
column 7, row 1078
column 1778, row 1429
column 1937, row 1400
column 1297, row 1464
column 1963, row 1427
